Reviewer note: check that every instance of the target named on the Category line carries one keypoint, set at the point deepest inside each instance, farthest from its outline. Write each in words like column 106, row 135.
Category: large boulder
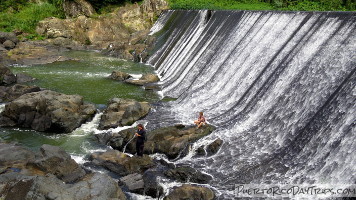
column 93, row 186
column 47, row 111
column 56, row 161
column 8, row 94
column 6, row 76
column 123, row 112
column 75, row 8
column 121, row 163
column 187, row 174
column 119, row 76
column 172, row 140
column 190, row 192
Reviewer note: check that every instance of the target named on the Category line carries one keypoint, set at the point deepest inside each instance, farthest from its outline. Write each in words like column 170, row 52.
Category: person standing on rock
column 201, row 120
column 141, row 135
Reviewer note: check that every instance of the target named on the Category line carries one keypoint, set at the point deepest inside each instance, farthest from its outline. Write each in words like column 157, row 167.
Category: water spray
column 123, row 150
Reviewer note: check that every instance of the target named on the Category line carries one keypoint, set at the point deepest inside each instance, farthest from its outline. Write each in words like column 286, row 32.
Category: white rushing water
column 279, row 86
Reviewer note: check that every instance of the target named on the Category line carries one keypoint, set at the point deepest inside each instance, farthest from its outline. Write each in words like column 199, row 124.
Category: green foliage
column 302, row 5
column 12, row 5
column 26, row 19
column 220, row 5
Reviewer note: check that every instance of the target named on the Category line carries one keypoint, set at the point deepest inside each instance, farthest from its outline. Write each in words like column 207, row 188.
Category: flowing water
column 279, row 86
column 86, row 74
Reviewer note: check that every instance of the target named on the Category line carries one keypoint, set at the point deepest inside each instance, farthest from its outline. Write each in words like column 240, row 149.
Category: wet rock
column 133, row 182
column 77, row 7
column 152, row 86
column 122, row 139
column 214, row 147
column 56, row 161
column 8, row 94
column 119, row 76
column 151, row 182
column 121, row 163
column 8, row 44
column 6, row 76
column 201, row 151
column 171, row 140
column 123, row 112
column 145, row 79
column 47, row 111
column 190, row 192
column 187, row 174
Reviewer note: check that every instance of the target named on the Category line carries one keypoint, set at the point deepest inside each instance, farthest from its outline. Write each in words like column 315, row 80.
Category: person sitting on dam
column 201, row 120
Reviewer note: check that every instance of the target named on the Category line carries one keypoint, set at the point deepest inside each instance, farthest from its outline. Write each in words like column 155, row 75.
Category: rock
column 201, row 151
column 121, row 139
column 122, row 33
column 77, row 7
column 32, row 53
column 190, row 192
column 8, row 94
column 121, row 163
column 12, row 155
column 4, row 36
column 123, row 112
column 23, row 78
column 150, row 78
column 47, row 111
column 145, row 79
column 6, row 76
column 133, row 182
column 152, row 186
column 119, row 76
column 8, row 44
column 152, row 86
column 188, row 174
column 172, row 140
column 93, row 186
column 97, row 186
column 136, row 82
column 56, row 161
column 214, row 147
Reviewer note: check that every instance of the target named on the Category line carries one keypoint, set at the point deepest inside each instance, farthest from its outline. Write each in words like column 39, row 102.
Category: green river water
column 85, row 75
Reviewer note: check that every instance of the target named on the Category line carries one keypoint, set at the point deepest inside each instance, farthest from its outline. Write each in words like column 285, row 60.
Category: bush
column 26, row 19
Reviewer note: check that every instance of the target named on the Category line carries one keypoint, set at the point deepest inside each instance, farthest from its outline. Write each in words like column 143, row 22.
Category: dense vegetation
column 18, row 15
column 22, row 15
column 302, row 5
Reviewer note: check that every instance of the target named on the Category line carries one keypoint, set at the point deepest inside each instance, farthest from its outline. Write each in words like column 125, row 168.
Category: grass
column 218, row 5
column 26, row 19
column 300, row 5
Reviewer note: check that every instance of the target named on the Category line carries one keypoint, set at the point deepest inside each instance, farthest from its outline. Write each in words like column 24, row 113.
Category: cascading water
column 279, row 86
